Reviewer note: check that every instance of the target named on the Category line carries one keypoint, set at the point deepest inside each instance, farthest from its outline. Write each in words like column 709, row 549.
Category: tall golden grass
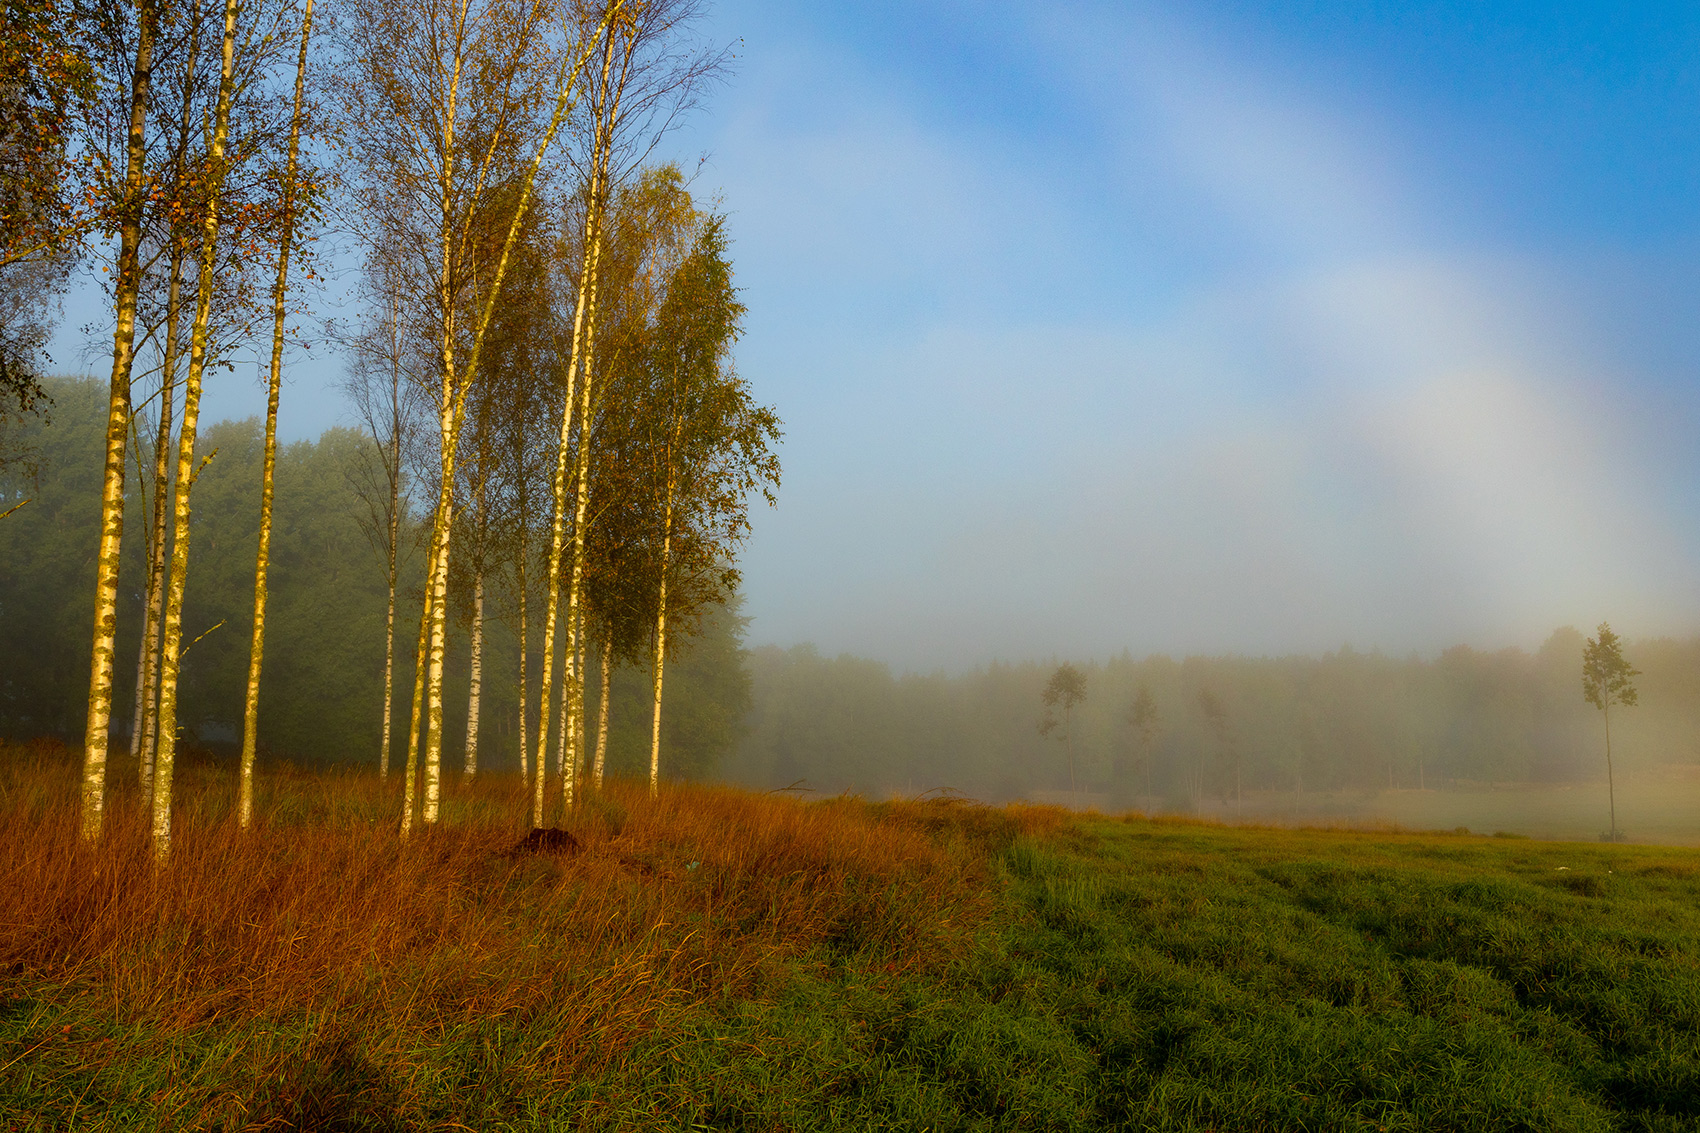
column 323, row 913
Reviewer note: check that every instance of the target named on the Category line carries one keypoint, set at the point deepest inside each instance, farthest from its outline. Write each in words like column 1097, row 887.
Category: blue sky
column 1195, row 327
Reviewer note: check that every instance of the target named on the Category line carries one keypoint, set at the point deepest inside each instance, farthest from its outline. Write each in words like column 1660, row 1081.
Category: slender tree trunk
column 148, row 730
column 142, row 744
column 660, row 660
column 262, row 561
column 572, row 685
column 172, row 629
column 1611, row 781
column 657, row 665
column 602, row 707
column 436, row 592
column 410, row 781
column 564, row 725
column 389, row 631
column 524, row 693
column 96, row 734
column 557, row 539
column 578, row 363
column 1068, row 741
column 581, row 729
column 477, row 683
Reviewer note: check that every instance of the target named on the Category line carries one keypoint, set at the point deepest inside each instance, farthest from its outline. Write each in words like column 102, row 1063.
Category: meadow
column 728, row 960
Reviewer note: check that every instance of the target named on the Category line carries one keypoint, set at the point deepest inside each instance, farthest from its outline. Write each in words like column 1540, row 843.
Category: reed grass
column 319, row 965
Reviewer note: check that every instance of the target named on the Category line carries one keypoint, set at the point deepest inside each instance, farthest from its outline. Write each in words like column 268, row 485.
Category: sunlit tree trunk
column 564, row 728
column 607, row 668
column 262, row 561
column 477, row 683
column 578, row 368
column 661, row 632
column 1611, row 779
column 96, row 735
column 389, row 620
column 524, row 692
column 552, row 584
column 146, row 733
column 572, row 684
column 172, row 627
column 410, row 781
column 581, row 730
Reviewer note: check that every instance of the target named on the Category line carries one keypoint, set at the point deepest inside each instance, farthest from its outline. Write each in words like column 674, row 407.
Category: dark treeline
column 325, row 641
column 1348, row 720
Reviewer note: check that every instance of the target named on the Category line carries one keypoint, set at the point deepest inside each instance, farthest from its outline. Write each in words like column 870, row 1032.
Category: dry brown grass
column 323, row 918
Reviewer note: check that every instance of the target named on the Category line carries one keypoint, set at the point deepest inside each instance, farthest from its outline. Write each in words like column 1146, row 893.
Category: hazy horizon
column 1202, row 329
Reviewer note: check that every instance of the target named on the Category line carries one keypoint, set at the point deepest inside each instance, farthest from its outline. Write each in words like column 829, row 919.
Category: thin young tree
column 291, row 191
column 380, row 385
column 183, row 100
column 1215, row 715
column 1142, row 717
column 172, row 624
column 712, row 445
column 1063, row 692
column 1608, row 679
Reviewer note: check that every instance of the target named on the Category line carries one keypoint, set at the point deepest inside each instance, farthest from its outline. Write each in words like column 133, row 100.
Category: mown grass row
column 833, row 965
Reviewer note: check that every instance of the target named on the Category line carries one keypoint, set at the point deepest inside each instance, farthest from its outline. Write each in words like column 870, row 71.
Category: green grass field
column 845, row 966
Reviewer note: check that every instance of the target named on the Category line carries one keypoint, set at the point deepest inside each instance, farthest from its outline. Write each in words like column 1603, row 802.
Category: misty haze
column 648, row 564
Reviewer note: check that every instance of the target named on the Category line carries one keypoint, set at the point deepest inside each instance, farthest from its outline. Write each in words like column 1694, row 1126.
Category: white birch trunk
column 583, row 332
column 172, row 629
column 602, row 709
column 389, row 633
column 410, row 779
column 477, row 683
column 524, row 692
column 142, row 742
column 660, row 638
column 262, row 560
column 96, row 733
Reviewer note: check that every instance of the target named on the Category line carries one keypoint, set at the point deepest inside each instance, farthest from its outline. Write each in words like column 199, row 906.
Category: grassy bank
column 723, row 960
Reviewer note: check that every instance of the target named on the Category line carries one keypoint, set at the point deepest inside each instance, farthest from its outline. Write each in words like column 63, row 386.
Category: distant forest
column 1346, row 721
column 769, row 717
column 325, row 639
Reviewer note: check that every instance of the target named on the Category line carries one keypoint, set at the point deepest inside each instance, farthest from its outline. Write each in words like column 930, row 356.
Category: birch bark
column 389, row 614
column 262, row 561
column 172, row 627
column 96, row 735
column 146, row 731
column 577, row 365
column 477, row 684
column 661, row 635
column 607, row 667
column 524, row 698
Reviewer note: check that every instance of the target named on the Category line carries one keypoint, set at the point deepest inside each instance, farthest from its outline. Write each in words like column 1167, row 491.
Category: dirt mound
column 548, row 840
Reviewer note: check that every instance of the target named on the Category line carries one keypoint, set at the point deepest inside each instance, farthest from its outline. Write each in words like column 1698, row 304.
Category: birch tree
column 172, row 623
column 380, row 385
column 1608, row 679
column 290, row 192
column 649, row 71
column 712, row 447
column 442, row 103
column 124, row 216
